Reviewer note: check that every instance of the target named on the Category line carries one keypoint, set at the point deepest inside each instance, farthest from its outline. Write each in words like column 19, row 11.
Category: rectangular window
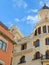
column 4, row 46
column 47, row 41
column 37, row 43
column 24, row 46
column 44, row 29
column 0, row 44
column 48, row 29
column 39, row 30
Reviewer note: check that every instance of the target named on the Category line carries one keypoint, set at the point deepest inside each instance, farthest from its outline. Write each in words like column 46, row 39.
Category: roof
column 8, row 37
column 1, row 24
column 45, row 7
column 6, row 28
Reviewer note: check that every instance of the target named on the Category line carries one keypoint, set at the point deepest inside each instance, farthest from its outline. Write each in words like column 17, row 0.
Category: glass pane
column 48, row 29
column 37, row 43
column 47, row 41
column 39, row 30
column 44, row 29
column 0, row 44
column 37, row 55
column 36, row 32
column 4, row 46
column 23, row 59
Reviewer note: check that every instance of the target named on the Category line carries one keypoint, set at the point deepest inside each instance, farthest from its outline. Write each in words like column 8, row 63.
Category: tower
column 44, row 12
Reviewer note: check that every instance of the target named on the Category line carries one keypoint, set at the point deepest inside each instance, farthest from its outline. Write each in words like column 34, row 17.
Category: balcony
column 44, row 58
column 23, row 52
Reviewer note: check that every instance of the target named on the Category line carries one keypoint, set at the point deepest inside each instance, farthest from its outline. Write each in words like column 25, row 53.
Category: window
column 1, row 64
column 12, row 30
column 47, row 41
column 37, row 43
column 48, row 29
column 47, row 54
column 37, row 55
column 36, row 32
column 22, row 59
column 0, row 44
column 44, row 29
column 3, row 45
column 39, row 30
column 24, row 46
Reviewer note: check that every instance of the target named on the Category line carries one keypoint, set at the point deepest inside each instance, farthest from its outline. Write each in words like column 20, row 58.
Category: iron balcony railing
column 43, row 57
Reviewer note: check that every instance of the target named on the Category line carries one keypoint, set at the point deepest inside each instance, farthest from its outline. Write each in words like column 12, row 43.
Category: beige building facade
column 33, row 49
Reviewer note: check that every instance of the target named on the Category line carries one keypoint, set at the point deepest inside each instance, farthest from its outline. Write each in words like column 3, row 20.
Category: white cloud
column 28, row 19
column 33, row 10
column 10, row 23
column 20, row 3
column 32, row 19
column 16, row 19
column 47, row 3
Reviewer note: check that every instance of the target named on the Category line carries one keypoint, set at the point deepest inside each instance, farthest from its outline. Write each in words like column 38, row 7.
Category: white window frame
column 4, row 40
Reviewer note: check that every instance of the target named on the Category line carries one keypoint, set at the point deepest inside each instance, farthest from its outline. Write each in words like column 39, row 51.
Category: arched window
column 37, row 55
column 47, row 54
column 39, row 30
column 37, row 43
column 22, row 60
column 44, row 29
column 35, row 32
column 47, row 41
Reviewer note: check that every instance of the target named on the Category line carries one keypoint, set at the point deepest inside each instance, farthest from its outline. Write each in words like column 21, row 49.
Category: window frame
column 24, row 46
column 47, row 54
column 35, row 32
column 22, row 59
column 39, row 30
column 3, row 45
column 48, row 29
column 37, row 55
column 47, row 41
column 44, row 29
column 37, row 43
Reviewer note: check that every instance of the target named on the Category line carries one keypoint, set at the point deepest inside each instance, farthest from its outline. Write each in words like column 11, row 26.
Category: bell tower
column 44, row 13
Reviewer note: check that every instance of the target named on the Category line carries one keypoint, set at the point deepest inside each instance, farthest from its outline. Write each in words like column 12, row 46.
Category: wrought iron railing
column 43, row 57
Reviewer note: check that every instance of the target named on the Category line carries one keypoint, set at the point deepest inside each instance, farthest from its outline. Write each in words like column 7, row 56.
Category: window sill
column 37, row 58
column 22, row 62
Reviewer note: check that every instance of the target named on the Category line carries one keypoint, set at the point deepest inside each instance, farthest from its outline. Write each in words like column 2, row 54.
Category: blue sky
column 22, row 13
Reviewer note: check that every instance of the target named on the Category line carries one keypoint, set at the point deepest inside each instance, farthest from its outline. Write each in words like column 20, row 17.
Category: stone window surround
column 42, row 29
column 1, row 38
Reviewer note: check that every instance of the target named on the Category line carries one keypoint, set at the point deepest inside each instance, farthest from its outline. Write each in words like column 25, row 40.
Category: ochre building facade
column 33, row 49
